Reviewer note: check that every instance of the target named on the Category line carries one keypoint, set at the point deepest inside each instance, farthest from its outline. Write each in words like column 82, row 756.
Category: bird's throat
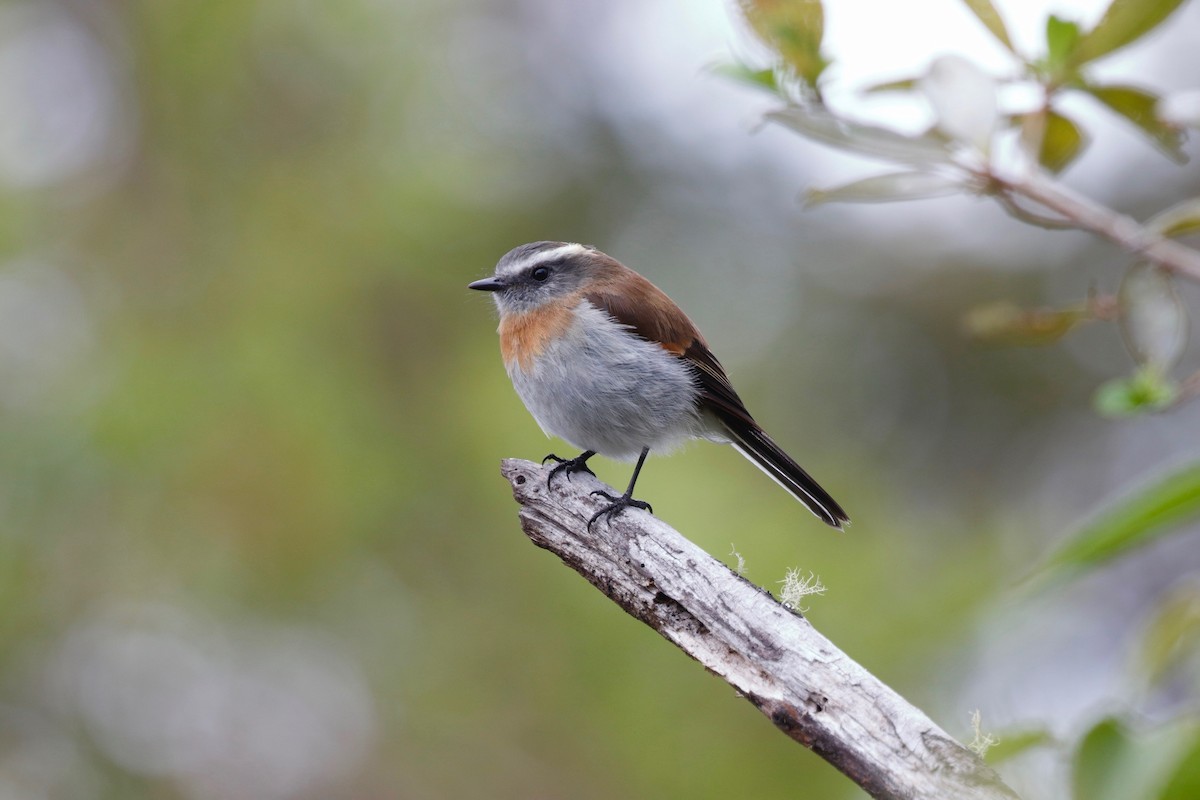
column 525, row 336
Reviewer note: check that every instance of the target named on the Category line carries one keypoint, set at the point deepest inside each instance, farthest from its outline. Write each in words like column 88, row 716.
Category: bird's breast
column 600, row 386
column 524, row 337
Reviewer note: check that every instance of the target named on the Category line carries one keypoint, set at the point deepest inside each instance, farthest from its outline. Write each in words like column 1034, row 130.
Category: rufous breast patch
column 524, row 337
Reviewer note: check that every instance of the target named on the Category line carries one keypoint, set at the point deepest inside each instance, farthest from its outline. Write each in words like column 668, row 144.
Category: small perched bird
column 605, row 360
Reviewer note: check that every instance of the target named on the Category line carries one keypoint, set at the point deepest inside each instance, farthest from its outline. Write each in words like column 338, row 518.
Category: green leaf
column 1148, row 390
column 1140, row 108
column 887, row 188
column 1011, row 745
column 1184, row 783
column 1178, row 220
column 1135, row 520
column 793, row 29
column 1062, row 36
column 1124, row 22
column 1100, row 761
column 1152, row 316
column 758, row 78
column 1172, row 633
column 1008, row 324
column 1114, row 762
column 991, row 19
column 857, row 137
column 1062, row 141
column 901, row 85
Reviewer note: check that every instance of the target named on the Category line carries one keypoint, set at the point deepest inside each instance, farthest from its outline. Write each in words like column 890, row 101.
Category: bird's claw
column 567, row 465
column 618, row 504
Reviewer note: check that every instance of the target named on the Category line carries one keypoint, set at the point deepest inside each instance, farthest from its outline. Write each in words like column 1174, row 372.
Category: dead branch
column 772, row 656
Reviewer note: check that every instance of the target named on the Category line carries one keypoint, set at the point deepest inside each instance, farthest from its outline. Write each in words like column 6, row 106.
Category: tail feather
column 755, row 445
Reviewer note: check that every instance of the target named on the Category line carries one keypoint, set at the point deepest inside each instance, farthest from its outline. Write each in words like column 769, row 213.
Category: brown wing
column 715, row 388
column 657, row 319
column 754, row 443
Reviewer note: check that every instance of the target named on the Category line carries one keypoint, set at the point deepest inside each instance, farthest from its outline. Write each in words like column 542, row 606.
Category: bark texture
column 772, row 656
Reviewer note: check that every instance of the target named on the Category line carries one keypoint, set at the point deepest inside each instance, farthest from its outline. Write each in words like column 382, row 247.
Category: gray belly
column 609, row 391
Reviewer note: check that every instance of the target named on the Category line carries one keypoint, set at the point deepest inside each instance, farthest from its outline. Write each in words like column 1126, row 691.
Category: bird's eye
column 540, row 274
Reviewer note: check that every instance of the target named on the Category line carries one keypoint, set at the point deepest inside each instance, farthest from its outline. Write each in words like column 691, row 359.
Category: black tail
column 753, row 442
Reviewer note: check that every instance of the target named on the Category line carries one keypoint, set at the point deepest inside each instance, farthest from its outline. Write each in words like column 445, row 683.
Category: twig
column 1189, row 388
column 773, row 657
column 1015, row 209
column 1086, row 214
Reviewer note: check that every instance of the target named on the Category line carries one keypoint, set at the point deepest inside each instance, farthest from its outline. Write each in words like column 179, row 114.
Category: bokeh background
column 253, row 539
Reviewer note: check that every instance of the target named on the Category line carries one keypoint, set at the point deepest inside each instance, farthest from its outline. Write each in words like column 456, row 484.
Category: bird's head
column 540, row 273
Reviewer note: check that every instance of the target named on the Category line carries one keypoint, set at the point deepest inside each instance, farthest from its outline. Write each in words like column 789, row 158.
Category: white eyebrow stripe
column 568, row 249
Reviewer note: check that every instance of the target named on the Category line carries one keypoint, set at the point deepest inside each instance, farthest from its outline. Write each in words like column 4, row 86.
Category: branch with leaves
column 1013, row 155
column 981, row 144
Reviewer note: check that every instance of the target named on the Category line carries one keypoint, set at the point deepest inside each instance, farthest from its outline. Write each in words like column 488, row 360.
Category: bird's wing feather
column 657, row 319
column 715, row 389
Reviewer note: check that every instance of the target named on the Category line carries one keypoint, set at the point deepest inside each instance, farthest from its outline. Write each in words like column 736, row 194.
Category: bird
column 604, row 360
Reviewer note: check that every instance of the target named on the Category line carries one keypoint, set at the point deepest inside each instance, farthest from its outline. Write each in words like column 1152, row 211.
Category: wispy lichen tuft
column 796, row 587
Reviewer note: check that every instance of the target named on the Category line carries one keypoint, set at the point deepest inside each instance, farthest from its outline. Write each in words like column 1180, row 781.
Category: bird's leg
column 569, row 465
column 626, row 500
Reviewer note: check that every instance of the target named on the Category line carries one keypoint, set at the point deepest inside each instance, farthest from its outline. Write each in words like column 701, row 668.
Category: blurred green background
column 253, row 538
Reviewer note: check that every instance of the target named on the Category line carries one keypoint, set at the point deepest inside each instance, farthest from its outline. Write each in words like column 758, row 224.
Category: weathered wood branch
column 772, row 656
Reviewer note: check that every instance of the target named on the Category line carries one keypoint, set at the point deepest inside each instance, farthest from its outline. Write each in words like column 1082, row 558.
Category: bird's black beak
column 487, row 285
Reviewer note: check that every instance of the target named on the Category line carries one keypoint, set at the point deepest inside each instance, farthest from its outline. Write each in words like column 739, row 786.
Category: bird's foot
column 619, row 504
column 568, row 465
